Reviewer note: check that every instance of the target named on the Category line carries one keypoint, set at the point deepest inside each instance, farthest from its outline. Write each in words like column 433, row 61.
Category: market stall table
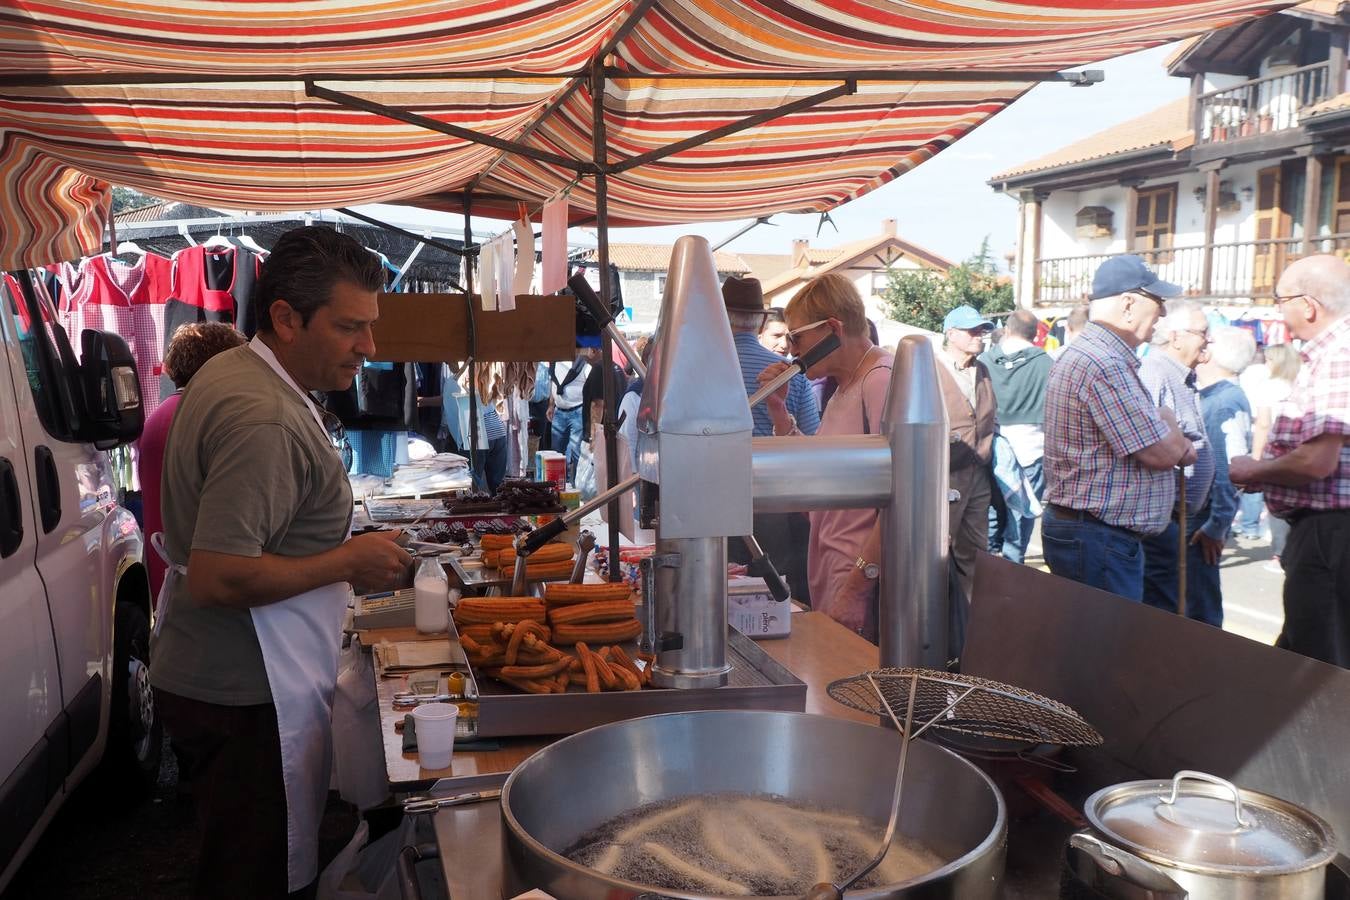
column 818, row 651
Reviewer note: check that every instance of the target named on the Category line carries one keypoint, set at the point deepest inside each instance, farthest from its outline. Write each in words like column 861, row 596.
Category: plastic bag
column 585, row 478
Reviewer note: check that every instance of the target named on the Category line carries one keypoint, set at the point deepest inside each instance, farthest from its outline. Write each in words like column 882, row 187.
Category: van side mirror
column 114, row 414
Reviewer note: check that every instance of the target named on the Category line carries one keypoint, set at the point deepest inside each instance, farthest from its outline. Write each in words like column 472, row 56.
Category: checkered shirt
column 1097, row 413
column 1172, row 385
column 1319, row 404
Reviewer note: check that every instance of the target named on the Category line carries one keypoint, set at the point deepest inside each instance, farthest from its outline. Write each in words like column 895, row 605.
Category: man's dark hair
column 772, row 314
column 1022, row 323
column 303, row 267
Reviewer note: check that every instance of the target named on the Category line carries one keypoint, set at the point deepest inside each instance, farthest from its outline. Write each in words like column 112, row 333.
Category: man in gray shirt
column 257, row 508
column 1168, row 374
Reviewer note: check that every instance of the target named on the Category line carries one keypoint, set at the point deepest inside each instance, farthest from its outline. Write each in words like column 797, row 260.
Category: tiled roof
column 1339, row 102
column 1166, row 126
column 151, row 212
column 656, row 258
column 765, row 266
column 854, row 253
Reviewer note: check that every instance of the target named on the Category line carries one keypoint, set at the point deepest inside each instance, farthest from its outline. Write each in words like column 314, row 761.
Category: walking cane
column 1181, row 543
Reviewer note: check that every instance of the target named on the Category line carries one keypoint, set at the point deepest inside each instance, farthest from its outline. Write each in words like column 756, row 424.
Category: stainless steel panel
column 1167, row 693
column 835, row 472
column 913, row 607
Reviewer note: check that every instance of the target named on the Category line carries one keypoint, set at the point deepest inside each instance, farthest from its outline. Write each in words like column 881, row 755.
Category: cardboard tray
column 756, row 681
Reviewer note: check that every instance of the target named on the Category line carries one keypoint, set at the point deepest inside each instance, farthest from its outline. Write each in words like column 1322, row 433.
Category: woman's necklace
column 851, row 375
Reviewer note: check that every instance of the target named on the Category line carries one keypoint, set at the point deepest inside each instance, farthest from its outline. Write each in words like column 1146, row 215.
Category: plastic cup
column 435, row 734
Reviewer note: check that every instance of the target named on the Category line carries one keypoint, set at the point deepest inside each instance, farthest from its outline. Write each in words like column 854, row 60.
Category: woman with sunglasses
column 844, row 556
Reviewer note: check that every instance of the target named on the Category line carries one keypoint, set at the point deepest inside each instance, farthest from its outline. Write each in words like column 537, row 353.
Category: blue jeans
column 1204, row 597
column 1249, row 522
column 491, row 468
column 1095, row 554
column 1011, row 533
column 567, row 437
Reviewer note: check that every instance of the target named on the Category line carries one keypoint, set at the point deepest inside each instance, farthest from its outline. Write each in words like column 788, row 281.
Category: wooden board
column 435, row 328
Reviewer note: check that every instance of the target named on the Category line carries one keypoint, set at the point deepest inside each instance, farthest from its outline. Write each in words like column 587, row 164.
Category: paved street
column 1252, row 605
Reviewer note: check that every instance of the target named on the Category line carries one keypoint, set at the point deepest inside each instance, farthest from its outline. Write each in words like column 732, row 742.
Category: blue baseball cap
column 1121, row 274
column 965, row 318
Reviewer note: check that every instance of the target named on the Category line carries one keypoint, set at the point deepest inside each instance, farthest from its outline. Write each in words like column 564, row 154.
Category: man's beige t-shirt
column 247, row 470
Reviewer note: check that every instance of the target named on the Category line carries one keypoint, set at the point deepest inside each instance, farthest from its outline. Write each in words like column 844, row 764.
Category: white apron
column 300, row 639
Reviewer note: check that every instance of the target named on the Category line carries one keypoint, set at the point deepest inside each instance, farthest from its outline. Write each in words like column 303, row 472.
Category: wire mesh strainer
column 964, row 704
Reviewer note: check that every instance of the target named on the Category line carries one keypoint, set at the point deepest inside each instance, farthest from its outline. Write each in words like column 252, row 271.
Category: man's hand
column 1189, row 456
column 1168, row 416
column 374, row 562
column 548, row 414
column 853, row 598
column 1211, row 548
column 1242, row 470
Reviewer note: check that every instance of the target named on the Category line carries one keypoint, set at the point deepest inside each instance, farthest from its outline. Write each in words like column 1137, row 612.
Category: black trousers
column 784, row 538
column 235, row 758
column 1317, row 587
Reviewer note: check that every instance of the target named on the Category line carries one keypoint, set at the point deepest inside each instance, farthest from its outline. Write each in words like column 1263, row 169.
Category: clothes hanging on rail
column 210, row 284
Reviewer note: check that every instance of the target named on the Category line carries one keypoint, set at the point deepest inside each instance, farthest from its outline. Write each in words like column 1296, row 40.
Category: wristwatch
column 870, row 570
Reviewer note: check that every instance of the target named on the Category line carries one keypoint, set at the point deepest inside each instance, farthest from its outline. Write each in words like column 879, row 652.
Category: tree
column 125, row 198
column 922, row 297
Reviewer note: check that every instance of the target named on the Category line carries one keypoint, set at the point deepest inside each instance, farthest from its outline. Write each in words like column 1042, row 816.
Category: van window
column 47, row 358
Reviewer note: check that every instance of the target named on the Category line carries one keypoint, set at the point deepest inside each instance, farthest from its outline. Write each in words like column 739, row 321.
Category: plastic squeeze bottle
column 431, row 603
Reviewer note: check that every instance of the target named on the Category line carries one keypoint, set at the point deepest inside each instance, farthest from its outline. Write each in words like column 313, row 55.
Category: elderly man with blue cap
column 968, row 394
column 1110, row 451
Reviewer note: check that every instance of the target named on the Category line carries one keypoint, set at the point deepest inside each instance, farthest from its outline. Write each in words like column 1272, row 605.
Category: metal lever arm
column 586, row 294
column 762, row 567
column 798, row 366
column 545, row 533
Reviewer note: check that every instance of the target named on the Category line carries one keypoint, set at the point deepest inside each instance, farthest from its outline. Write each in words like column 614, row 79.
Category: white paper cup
column 435, row 734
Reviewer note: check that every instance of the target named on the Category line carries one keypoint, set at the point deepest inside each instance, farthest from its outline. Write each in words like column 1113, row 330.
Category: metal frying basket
column 916, row 700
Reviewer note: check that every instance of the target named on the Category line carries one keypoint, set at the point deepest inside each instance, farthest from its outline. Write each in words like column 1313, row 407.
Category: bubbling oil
column 745, row 845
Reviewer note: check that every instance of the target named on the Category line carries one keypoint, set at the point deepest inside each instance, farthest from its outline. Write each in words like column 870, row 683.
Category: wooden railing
column 1245, row 271
column 1262, row 105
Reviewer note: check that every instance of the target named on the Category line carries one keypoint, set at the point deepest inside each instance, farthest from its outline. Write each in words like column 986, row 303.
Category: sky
column 944, row 204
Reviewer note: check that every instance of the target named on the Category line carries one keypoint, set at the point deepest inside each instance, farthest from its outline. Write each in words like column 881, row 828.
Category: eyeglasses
column 1202, row 333
column 1280, row 301
column 797, row 332
column 1154, row 297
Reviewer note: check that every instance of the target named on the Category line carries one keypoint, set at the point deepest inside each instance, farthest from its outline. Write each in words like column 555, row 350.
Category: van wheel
column 135, row 733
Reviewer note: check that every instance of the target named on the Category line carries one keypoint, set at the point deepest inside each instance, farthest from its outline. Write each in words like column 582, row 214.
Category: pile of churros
column 551, row 561
column 543, row 646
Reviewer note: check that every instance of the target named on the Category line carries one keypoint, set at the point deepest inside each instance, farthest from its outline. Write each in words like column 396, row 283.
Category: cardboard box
column 753, row 612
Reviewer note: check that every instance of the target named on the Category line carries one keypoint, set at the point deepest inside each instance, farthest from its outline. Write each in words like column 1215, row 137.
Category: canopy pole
column 606, row 344
column 473, row 336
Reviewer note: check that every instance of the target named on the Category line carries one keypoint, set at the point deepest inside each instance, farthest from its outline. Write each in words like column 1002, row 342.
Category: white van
column 74, row 596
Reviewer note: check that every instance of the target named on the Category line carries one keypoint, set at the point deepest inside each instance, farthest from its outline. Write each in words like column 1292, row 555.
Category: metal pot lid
column 1202, row 823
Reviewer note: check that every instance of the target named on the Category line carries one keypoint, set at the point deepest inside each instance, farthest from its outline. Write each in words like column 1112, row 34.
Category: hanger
column 129, row 247
column 218, row 242
column 249, row 243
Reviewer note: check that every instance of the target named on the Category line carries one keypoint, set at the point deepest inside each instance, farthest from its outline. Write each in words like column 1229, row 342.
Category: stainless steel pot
column 585, row 780
column 1200, row 837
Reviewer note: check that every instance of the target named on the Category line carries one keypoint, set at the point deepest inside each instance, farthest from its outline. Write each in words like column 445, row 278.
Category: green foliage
column 125, row 198
column 922, row 297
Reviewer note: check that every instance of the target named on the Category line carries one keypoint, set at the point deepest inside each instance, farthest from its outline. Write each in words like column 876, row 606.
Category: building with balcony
column 1218, row 190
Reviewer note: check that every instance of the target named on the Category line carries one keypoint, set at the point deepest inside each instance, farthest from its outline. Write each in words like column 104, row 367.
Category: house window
column 1155, row 222
column 880, row 282
column 661, row 284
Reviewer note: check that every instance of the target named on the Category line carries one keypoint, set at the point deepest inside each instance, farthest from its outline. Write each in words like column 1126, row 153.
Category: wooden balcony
column 1239, row 272
column 1262, row 105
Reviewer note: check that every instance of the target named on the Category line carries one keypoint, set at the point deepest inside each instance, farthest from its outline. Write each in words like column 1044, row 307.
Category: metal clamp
column 414, row 806
column 1211, row 779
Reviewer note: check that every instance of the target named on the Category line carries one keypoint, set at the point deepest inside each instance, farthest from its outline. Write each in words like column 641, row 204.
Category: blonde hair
column 1283, row 361
column 830, row 296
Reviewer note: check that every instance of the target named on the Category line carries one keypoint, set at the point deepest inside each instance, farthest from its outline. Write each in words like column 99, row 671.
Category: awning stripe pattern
column 92, row 116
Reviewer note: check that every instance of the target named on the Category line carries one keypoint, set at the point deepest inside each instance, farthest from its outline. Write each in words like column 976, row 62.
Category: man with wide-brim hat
column 783, row 537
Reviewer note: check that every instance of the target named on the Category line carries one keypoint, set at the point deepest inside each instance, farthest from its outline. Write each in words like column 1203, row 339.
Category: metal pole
column 606, row 342
column 1181, row 542
column 913, row 613
column 468, row 258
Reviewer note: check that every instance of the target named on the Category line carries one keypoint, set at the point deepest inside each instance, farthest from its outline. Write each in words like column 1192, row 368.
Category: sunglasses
column 797, row 332
column 337, row 433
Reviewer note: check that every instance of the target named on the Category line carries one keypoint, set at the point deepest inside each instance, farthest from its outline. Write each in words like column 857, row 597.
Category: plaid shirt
column 1097, row 413
column 1319, row 404
column 1172, row 385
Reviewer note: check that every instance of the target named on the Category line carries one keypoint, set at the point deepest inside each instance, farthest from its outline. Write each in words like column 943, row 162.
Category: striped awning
column 205, row 101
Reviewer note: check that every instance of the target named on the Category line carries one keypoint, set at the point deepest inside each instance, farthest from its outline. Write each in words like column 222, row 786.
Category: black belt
column 1079, row 515
column 1299, row 515
column 566, row 408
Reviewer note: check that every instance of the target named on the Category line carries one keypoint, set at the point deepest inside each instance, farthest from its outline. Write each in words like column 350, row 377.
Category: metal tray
column 476, row 577
column 757, row 681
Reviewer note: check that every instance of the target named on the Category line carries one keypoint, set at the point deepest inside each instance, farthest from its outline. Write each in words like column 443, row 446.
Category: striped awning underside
column 100, row 110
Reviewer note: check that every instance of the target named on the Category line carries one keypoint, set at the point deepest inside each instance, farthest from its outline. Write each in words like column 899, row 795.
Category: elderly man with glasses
column 1305, row 474
column 1180, row 342
column 1110, row 450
